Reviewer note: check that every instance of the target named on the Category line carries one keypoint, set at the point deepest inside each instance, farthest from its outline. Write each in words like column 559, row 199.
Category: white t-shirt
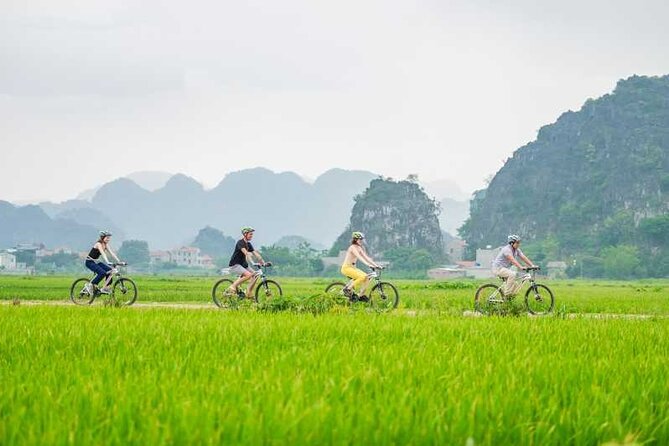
column 501, row 261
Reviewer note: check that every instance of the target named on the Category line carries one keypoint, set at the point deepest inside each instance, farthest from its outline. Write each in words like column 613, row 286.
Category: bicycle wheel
column 384, row 296
column 266, row 290
column 488, row 298
column 78, row 293
column 221, row 297
column 125, row 291
column 335, row 289
column 539, row 299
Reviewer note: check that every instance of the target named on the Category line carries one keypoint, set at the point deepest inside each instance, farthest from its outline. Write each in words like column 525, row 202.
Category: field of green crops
column 452, row 297
column 107, row 375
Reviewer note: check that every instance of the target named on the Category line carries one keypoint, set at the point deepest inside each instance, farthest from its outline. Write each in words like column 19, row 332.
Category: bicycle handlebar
column 532, row 268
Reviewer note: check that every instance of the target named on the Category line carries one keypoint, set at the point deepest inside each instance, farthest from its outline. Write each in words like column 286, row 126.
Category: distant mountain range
column 168, row 210
column 30, row 224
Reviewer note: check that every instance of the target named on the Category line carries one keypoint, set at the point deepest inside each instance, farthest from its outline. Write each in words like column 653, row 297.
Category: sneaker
column 363, row 298
column 88, row 289
column 347, row 292
column 105, row 290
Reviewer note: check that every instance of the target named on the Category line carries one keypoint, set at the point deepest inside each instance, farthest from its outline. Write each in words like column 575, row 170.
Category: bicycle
column 120, row 286
column 382, row 296
column 265, row 289
column 538, row 298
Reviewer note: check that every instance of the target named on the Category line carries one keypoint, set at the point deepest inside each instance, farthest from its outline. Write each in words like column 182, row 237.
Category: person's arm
column 372, row 263
column 102, row 252
column 364, row 258
column 113, row 254
column 259, row 257
column 526, row 260
column 512, row 259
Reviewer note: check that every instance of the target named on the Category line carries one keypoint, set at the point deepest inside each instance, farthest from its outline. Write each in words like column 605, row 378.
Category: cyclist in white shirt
column 508, row 256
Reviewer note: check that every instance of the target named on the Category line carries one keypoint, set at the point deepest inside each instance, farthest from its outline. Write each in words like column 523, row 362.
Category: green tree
column 621, row 261
column 61, row 260
column 656, row 230
column 135, row 252
column 213, row 242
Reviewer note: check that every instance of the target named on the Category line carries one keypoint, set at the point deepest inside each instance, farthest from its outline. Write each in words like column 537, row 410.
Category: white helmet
column 513, row 238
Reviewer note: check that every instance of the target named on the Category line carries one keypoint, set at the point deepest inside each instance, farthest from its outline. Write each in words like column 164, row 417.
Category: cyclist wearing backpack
column 354, row 253
column 99, row 249
column 239, row 262
column 507, row 257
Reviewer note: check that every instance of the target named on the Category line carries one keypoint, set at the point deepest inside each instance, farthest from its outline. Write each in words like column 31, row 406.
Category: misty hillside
column 595, row 179
column 30, row 224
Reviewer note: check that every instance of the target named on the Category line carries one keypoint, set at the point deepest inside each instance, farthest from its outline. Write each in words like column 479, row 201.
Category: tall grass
column 73, row 375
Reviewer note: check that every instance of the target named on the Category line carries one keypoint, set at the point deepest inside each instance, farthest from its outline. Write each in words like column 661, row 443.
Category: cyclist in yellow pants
column 354, row 253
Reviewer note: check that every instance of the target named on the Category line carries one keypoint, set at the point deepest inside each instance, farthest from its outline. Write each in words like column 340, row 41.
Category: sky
column 93, row 90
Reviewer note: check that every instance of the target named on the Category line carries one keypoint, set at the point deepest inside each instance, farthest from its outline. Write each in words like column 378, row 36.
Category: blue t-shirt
column 501, row 261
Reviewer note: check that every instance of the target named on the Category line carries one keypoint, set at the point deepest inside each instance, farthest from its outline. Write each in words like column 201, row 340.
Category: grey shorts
column 239, row 270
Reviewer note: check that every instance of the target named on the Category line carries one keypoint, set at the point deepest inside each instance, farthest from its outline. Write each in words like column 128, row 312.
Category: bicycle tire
column 127, row 288
column 77, row 292
column 335, row 288
column 483, row 302
column 267, row 289
column 533, row 295
column 223, row 299
column 384, row 296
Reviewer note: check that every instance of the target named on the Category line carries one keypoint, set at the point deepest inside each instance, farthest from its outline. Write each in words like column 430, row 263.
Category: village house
column 187, row 256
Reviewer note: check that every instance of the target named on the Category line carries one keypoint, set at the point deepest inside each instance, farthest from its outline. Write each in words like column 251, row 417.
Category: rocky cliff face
column 392, row 215
column 588, row 175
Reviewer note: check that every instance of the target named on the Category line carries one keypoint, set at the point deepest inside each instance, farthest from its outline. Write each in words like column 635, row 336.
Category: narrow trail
column 403, row 312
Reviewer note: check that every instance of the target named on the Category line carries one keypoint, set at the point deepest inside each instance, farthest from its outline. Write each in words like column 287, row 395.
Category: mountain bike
column 265, row 289
column 382, row 295
column 123, row 289
column 538, row 298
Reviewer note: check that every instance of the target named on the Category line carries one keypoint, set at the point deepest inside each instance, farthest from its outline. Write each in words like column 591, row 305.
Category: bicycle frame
column 113, row 276
column 527, row 277
column 259, row 277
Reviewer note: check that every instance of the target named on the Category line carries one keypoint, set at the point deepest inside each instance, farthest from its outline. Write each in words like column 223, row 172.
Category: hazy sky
column 92, row 90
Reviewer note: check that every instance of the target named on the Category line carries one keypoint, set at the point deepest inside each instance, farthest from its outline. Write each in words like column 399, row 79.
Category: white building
column 184, row 256
column 484, row 257
column 7, row 261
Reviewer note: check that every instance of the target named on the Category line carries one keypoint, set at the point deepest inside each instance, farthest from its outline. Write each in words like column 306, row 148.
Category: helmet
column 104, row 234
column 247, row 229
column 513, row 238
column 358, row 235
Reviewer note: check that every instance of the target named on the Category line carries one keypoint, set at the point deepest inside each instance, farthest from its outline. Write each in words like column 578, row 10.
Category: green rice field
column 423, row 374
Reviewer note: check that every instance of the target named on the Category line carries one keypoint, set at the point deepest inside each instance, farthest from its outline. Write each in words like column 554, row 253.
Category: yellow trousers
column 354, row 273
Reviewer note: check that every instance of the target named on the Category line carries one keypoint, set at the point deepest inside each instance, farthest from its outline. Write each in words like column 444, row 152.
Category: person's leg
column 359, row 277
column 510, row 286
column 97, row 269
column 108, row 277
column 244, row 275
column 252, row 283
